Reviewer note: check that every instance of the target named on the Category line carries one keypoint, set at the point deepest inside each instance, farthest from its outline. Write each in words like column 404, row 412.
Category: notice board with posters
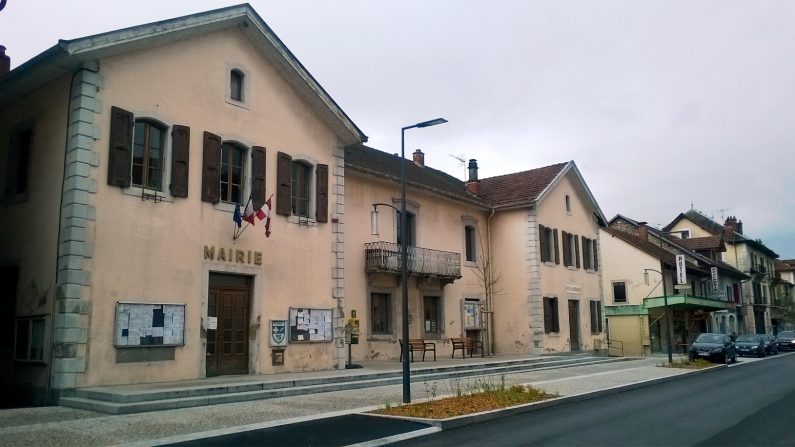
column 146, row 324
column 310, row 325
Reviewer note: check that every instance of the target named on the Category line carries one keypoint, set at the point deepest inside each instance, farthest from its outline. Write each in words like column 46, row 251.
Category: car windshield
column 788, row 334
column 710, row 338
column 748, row 338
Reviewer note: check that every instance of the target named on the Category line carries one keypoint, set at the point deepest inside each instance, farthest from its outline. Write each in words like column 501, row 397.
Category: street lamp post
column 669, row 321
column 404, row 255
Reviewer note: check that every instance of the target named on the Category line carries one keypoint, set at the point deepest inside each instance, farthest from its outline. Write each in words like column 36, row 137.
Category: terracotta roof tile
column 702, row 243
column 520, row 187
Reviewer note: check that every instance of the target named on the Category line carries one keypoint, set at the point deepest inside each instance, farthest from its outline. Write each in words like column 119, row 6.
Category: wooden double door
column 227, row 344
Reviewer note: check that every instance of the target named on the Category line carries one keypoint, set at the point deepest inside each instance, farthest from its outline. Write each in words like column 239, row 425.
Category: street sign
column 715, row 283
column 681, row 274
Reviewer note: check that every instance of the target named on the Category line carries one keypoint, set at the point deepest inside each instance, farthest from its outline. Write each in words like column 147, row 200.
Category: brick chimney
column 5, row 61
column 473, row 184
column 739, row 227
column 730, row 226
column 643, row 231
column 419, row 158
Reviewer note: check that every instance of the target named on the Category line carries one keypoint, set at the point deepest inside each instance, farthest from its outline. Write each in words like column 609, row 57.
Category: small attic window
column 236, row 85
column 568, row 203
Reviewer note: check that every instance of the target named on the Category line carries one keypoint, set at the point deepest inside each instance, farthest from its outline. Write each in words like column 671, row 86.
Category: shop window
column 30, row 339
column 619, row 292
column 381, row 313
column 551, row 318
column 17, row 165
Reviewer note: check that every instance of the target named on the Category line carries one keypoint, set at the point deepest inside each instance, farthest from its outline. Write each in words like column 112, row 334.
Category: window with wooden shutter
column 576, row 253
column 595, row 255
column 211, row 165
column 555, row 238
column 258, row 176
column 543, row 243
column 321, row 194
column 566, row 249
column 551, row 322
column 119, row 151
column 180, row 154
column 586, row 253
column 283, row 173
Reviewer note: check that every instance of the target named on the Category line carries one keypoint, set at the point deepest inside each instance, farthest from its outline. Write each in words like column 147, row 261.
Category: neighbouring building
column 746, row 254
column 783, row 293
column 640, row 276
column 512, row 261
column 123, row 157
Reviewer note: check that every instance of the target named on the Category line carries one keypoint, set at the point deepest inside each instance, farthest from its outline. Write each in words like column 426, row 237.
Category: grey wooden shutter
column 586, row 253
column 180, row 155
column 543, row 242
column 120, row 147
column 321, row 194
column 283, row 176
column 555, row 236
column 258, row 176
column 595, row 256
column 211, row 168
column 566, row 250
column 547, row 315
column 576, row 251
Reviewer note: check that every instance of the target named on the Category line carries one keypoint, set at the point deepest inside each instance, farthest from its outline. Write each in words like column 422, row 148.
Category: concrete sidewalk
column 64, row 426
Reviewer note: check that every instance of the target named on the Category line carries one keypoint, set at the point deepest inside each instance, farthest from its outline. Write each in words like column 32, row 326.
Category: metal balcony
column 384, row 257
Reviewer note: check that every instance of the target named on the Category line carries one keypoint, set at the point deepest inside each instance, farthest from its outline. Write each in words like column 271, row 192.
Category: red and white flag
column 264, row 213
column 248, row 213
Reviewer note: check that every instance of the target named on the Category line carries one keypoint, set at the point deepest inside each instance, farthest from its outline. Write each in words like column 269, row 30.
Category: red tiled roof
column 520, row 187
column 703, row 243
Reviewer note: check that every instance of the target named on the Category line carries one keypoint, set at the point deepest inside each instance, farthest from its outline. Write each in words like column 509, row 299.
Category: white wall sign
column 715, row 283
column 681, row 275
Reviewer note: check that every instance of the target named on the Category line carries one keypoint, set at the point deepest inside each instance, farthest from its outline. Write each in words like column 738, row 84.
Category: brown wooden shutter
column 542, row 243
column 586, row 253
column 120, row 147
column 258, row 176
column 283, row 175
column 321, row 194
column 211, row 168
column 555, row 237
column 576, row 251
column 547, row 315
column 566, row 250
column 180, row 154
column 595, row 256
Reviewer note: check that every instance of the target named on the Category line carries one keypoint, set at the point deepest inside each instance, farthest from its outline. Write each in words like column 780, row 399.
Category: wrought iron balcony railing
column 385, row 257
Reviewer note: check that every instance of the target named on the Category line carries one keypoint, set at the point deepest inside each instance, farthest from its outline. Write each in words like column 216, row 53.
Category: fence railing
column 385, row 257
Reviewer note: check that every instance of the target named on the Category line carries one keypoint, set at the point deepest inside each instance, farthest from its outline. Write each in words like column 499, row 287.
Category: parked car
column 771, row 344
column 786, row 340
column 715, row 347
column 751, row 344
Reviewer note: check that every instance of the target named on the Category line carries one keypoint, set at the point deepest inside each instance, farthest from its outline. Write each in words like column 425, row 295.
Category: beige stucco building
column 124, row 155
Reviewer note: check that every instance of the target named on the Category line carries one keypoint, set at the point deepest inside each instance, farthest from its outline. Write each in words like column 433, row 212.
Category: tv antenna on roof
column 722, row 212
column 462, row 162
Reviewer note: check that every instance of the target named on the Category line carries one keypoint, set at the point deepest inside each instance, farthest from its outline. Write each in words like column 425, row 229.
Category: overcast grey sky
column 660, row 103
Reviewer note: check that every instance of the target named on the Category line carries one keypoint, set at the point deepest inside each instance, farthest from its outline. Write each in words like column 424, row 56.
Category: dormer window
column 236, row 78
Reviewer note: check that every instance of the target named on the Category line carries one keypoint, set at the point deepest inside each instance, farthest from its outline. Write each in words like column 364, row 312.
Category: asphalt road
column 751, row 404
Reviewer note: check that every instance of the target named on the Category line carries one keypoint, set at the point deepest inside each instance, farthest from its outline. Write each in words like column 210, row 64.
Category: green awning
column 686, row 302
column 627, row 309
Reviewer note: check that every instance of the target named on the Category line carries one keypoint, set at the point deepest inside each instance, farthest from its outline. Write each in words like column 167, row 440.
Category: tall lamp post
column 669, row 321
column 404, row 269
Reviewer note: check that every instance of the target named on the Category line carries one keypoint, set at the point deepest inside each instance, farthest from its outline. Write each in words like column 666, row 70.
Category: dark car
column 786, row 340
column 771, row 344
column 715, row 347
column 751, row 344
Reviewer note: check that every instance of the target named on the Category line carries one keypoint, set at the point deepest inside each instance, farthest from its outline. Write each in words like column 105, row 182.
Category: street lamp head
column 374, row 221
column 430, row 123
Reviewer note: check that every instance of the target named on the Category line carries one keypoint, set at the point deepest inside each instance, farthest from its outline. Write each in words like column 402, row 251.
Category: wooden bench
column 466, row 344
column 418, row 345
